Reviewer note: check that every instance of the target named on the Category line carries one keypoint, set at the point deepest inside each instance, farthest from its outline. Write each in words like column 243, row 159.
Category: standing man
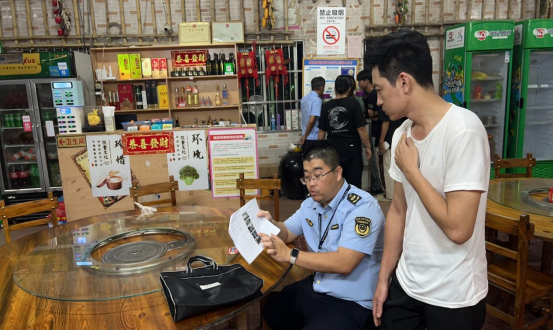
column 435, row 226
column 343, row 228
column 311, row 105
column 365, row 80
column 384, row 144
column 342, row 118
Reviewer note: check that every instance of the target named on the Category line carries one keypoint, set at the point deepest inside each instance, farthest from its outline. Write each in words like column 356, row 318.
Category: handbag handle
column 204, row 260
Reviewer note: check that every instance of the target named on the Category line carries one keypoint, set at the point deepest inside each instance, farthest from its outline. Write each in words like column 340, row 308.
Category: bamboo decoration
column 154, row 20
column 29, row 21
column 14, row 21
column 198, row 11
column 139, row 19
column 122, row 19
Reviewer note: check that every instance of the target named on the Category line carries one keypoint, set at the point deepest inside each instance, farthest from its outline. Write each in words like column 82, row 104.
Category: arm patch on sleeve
column 362, row 226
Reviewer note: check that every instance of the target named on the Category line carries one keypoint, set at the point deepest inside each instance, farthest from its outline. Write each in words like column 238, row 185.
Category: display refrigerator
column 531, row 106
column 29, row 159
column 477, row 66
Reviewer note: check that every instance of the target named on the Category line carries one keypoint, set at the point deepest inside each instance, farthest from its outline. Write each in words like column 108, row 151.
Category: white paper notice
column 355, row 46
column 188, row 164
column 244, row 227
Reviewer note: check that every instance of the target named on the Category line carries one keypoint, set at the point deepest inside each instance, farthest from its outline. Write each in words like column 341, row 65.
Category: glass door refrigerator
column 477, row 65
column 531, row 106
column 29, row 159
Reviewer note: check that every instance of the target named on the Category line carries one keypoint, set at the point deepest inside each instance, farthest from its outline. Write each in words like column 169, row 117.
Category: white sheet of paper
column 50, row 128
column 244, row 227
column 355, row 46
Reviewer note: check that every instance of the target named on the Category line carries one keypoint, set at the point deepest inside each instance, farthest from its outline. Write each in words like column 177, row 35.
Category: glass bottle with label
column 215, row 64
column 217, row 96
column 222, row 62
column 189, row 99
column 177, row 97
column 225, row 95
column 182, row 97
column 138, row 96
column 208, row 65
column 196, row 95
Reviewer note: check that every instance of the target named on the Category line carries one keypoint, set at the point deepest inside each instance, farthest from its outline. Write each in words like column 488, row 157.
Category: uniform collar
column 313, row 93
column 336, row 200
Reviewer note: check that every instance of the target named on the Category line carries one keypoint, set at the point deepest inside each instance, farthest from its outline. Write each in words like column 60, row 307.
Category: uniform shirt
column 357, row 225
column 453, row 156
column 340, row 119
column 311, row 106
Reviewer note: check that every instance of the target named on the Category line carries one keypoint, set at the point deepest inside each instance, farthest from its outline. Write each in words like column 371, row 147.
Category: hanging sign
column 188, row 163
column 147, row 143
column 188, row 58
column 232, row 151
column 331, row 30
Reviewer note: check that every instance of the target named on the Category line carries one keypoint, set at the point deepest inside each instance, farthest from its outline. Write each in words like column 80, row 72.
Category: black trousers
column 401, row 312
column 297, row 306
column 351, row 160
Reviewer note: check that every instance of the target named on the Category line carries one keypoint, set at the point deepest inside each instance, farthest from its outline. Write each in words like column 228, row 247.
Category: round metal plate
column 133, row 253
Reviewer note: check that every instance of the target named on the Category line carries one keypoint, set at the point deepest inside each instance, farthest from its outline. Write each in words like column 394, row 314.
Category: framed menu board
column 227, row 32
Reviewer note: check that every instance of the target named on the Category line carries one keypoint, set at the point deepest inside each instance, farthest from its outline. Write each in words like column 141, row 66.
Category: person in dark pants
column 311, row 105
column 384, row 143
column 343, row 120
column 343, row 228
column 435, row 252
column 365, row 80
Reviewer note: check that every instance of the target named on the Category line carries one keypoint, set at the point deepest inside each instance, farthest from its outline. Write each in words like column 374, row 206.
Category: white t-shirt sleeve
column 394, row 171
column 467, row 162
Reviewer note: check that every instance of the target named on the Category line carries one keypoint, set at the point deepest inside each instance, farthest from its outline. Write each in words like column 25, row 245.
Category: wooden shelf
column 140, row 110
column 192, row 78
column 130, row 81
column 220, row 107
column 133, row 49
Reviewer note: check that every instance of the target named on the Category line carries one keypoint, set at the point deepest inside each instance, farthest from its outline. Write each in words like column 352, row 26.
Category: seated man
column 343, row 226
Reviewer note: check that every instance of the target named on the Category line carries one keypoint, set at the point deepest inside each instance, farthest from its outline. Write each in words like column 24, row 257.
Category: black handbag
column 199, row 290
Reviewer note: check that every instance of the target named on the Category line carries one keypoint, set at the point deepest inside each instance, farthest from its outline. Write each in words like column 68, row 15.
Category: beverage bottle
column 9, row 120
column 35, row 178
column 189, row 99
column 138, row 97
column 196, row 96
column 208, row 70
column 177, row 98
column 222, row 62
column 19, row 120
column 17, row 156
column 273, row 123
column 225, row 95
column 232, row 60
column 217, row 96
column 24, row 176
column 14, row 177
column 215, row 67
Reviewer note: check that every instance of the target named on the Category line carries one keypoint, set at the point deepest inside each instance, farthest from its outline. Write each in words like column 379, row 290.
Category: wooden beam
column 483, row 10
column 14, row 21
column 227, row 4
column 183, row 10
column 92, row 18
column 154, row 19
column 256, row 17
column 122, row 19
column 458, row 9
column 285, row 18
column 138, row 18
column 469, row 10
column 538, row 5
column 169, row 17
column 496, row 10
column 508, row 9
column 241, row 10
column 107, row 16
column 371, row 16
column 385, row 15
column 29, row 21
column 213, row 11
column 198, row 11
column 413, row 10
column 77, row 17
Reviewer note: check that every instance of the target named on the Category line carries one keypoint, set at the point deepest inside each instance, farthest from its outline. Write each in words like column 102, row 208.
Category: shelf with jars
column 192, row 79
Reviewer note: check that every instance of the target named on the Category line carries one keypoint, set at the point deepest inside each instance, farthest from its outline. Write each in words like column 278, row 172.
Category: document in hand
column 244, row 227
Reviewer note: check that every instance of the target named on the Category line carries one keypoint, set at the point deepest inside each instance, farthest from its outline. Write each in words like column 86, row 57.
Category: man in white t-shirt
column 435, row 226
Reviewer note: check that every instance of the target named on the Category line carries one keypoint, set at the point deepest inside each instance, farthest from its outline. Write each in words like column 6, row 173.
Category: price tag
column 27, row 127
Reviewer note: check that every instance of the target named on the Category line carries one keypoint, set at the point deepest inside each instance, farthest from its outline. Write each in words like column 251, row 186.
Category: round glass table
column 120, row 258
column 526, row 195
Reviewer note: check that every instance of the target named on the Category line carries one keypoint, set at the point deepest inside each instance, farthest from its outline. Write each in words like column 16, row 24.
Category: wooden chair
column 529, row 162
column 265, row 185
column 156, row 188
column 49, row 204
column 512, row 274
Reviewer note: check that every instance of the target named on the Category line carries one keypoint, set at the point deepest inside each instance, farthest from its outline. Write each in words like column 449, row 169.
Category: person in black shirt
column 343, row 120
column 365, row 79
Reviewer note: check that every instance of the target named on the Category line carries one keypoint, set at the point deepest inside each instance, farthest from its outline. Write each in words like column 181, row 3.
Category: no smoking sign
column 331, row 35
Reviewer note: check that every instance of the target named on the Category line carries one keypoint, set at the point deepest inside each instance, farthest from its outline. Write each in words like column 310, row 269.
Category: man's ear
column 339, row 173
column 405, row 82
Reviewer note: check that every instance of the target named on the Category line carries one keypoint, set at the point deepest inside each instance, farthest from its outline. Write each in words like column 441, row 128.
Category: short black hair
column 324, row 151
column 317, row 83
column 402, row 51
column 353, row 85
column 342, row 83
column 365, row 75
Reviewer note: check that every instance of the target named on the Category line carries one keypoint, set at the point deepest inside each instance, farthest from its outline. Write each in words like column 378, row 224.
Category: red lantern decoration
column 60, row 32
column 56, row 10
column 58, row 19
column 55, row 3
column 275, row 67
column 247, row 68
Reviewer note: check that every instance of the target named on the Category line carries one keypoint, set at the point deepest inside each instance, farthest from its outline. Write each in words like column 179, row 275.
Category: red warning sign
column 331, row 35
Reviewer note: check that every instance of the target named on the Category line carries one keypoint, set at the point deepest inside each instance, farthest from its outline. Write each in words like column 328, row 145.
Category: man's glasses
column 314, row 178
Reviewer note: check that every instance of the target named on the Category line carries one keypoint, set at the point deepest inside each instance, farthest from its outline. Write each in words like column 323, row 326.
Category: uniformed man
column 343, row 227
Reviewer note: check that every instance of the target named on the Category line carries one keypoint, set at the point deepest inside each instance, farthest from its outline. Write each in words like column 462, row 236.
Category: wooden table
column 21, row 310
column 543, row 224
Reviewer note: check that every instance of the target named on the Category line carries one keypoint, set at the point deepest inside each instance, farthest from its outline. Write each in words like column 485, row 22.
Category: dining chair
column 511, row 273
column 268, row 188
column 49, row 204
column 153, row 189
column 508, row 163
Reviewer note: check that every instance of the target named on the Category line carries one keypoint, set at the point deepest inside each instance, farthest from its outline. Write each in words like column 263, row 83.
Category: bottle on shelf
column 35, row 178
column 208, row 65
column 189, row 99
column 18, row 156
column 215, row 64
column 24, row 176
column 273, row 123
column 18, row 120
column 138, row 96
column 203, row 103
column 233, row 61
column 201, row 71
column 182, row 98
column 208, row 102
column 14, row 177
column 8, row 120
column 196, row 96
column 116, row 99
column 177, row 97
column 225, row 94
column 222, row 62
column 177, row 124
column 217, row 96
